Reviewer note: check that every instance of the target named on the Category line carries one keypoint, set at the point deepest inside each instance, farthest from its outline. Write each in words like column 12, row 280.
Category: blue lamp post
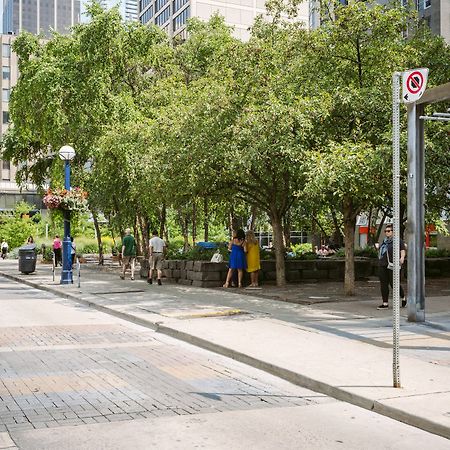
column 66, row 153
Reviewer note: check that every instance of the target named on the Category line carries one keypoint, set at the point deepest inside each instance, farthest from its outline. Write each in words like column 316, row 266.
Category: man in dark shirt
column 128, row 253
column 385, row 272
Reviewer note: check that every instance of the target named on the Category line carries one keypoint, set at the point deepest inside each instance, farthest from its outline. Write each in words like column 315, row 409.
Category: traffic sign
column 414, row 83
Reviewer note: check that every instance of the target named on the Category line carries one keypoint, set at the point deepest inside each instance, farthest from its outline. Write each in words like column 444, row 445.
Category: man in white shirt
column 157, row 251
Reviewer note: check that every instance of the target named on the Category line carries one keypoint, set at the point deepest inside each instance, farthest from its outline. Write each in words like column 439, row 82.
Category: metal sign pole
column 396, row 222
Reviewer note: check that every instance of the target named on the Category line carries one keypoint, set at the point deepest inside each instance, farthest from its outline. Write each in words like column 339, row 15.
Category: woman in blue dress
column 238, row 260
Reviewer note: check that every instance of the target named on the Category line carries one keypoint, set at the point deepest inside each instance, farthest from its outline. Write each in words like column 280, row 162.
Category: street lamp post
column 66, row 153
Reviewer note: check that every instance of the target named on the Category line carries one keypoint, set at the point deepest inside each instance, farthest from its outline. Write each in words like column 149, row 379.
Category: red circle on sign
column 412, row 84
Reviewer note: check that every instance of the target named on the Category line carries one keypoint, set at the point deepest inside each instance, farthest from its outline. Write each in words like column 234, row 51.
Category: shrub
column 368, row 251
column 299, row 249
column 197, row 253
column 340, row 253
column 47, row 254
column 87, row 248
column 437, row 253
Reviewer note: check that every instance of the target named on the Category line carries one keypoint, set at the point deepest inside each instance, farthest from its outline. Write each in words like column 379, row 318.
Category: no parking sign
column 414, row 83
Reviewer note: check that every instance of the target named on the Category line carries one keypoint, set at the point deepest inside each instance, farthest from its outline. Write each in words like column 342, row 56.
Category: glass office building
column 39, row 16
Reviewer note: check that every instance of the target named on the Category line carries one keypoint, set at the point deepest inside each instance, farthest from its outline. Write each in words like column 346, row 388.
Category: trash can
column 27, row 258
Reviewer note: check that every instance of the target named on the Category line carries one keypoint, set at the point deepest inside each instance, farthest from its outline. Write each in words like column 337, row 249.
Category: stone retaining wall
column 207, row 274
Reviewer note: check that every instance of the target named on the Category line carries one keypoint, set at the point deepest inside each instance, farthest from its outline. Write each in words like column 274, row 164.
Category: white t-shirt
column 157, row 243
column 73, row 248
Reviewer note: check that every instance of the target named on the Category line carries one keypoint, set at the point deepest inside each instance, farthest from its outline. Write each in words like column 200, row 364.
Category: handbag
column 390, row 265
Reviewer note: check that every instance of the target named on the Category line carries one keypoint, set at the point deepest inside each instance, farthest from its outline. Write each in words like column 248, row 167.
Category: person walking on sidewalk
column 129, row 253
column 157, row 251
column 385, row 266
column 4, row 248
column 57, row 251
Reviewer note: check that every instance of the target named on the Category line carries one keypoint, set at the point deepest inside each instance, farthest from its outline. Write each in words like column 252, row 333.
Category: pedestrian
column 385, row 266
column 4, row 249
column 237, row 262
column 30, row 240
column 73, row 250
column 129, row 253
column 57, row 251
column 157, row 250
column 253, row 259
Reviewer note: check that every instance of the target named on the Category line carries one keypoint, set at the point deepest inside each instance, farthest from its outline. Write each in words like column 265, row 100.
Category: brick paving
column 79, row 374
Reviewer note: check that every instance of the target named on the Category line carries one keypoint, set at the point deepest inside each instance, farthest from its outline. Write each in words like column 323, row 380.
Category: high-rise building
column 39, row 16
column 128, row 8
column 436, row 14
column 10, row 194
column 172, row 15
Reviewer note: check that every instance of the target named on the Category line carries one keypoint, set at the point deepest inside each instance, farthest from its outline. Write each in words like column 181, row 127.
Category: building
column 10, row 194
column 172, row 15
column 39, row 16
column 436, row 14
column 128, row 9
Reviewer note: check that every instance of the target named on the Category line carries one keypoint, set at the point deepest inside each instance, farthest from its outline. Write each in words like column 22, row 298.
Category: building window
column 6, row 172
column 6, row 50
column 159, row 4
column 148, row 14
column 180, row 20
column 6, row 72
column 163, row 17
column 178, row 4
column 5, row 95
column 144, row 4
column 5, row 117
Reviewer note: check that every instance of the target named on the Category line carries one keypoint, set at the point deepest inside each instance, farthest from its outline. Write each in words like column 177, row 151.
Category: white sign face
column 414, row 83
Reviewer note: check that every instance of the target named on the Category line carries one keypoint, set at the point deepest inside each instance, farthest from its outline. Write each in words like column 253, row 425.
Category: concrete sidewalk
column 335, row 346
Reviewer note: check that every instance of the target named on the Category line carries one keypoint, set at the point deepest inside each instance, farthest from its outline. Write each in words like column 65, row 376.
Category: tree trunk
column 145, row 227
column 99, row 239
column 278, row 244
column 253, row 218
column 205, row 219
column 349, row 240
column 287, row 231
column 234, row 223
column 315, row 237
column 184, row 225
column 194, row 221
column 337, row 235
column 137, row 236
column 162, row 220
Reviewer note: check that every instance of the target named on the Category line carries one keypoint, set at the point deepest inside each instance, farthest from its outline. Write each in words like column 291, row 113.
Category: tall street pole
column 66, row 153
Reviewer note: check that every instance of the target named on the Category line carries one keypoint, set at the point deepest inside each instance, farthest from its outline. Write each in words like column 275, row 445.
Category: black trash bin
column 27, row 258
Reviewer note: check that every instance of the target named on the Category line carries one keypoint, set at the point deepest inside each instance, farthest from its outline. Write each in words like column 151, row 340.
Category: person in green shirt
column 128, row 253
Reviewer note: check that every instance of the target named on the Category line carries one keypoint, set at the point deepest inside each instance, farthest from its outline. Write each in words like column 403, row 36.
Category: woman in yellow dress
column 253, row 261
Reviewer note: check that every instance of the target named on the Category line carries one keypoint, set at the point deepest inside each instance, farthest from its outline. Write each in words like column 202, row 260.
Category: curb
column 280, row 372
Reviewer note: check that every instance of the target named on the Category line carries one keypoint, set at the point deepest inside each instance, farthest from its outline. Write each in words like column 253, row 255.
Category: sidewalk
column 324, row 341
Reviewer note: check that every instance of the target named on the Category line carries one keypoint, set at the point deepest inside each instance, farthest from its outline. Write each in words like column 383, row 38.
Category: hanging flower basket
column 73, row 200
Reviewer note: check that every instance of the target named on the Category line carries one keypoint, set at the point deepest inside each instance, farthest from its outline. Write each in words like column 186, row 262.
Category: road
column 75, row 378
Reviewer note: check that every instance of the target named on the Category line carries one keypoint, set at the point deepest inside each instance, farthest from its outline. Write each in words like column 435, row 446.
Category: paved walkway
column 325, row 342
